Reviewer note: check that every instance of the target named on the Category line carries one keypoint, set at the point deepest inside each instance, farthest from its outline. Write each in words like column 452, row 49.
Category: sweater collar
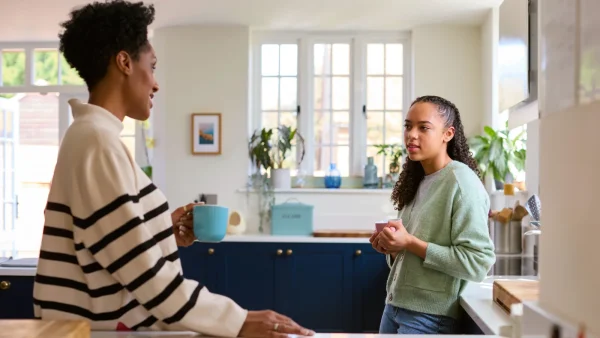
column 97, row 114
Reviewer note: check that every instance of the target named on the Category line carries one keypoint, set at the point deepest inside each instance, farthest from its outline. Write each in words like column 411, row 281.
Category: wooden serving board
column 25, row 328
column 343, row 233
column 509, row 292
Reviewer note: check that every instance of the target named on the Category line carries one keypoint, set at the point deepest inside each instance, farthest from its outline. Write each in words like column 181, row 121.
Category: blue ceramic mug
column 210, row 222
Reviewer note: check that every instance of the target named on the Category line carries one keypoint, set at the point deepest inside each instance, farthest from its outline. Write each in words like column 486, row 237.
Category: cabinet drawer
column 16, row 297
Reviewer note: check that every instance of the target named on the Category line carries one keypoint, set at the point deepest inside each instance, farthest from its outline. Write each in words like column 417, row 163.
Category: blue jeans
column 402, row 321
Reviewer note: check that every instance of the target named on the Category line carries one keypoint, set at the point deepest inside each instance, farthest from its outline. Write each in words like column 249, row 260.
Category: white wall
column 489, row 69
column 206, row 69
column 447, row 61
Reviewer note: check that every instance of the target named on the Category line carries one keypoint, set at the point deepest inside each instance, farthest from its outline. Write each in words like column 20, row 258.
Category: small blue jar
column 333, row 178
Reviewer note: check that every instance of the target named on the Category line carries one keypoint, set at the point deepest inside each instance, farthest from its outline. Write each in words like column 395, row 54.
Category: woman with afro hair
column 109, row 250
column 440, row 240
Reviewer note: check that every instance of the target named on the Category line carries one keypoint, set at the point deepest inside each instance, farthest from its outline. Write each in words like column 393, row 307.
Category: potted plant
column 499, row 154
column 394, row 152
column 280, row 175
column 268, row 150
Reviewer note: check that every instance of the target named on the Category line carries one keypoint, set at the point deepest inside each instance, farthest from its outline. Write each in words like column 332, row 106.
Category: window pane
column 322, row 160
column 270, row 93
column 323, row 92
column 13, row 68
column 322, row 127
column 394, row 128
column 375, row 93
column 69, row 76
column 394, row 59
column 341, row 128
column 270, row 59
column 322, row 59
column 378, row 160
column 374, row 127
column 46, row 67
column 341, row 157
column 375, row 59
column 128, row 127
column 129, row 143
column 289, row 60
column 288, row 119
column 288, row 93
column 393, row 93
column 341, row 92
column 269, row 120
column 341, row 59
column 36, row 158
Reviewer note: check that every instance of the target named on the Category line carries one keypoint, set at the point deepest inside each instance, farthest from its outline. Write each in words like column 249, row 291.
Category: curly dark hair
column 97, row 32
column 458, row 150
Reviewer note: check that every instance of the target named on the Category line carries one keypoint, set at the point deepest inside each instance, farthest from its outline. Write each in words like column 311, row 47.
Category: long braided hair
column 412, row 171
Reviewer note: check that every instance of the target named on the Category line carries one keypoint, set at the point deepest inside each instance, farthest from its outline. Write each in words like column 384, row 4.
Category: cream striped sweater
column 108, row 252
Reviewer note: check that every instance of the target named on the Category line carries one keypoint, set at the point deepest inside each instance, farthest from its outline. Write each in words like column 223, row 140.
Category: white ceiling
column 37, row 20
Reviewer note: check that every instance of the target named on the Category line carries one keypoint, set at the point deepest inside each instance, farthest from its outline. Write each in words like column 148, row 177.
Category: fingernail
column 181, row 233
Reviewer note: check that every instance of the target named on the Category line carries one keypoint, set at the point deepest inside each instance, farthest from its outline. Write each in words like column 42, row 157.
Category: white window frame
column 305, row 40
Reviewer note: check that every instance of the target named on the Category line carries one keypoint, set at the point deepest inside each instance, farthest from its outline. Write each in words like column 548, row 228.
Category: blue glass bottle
column 333, row 178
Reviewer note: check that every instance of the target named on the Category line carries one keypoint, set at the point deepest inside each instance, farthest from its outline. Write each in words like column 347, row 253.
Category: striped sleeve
column 112, row 228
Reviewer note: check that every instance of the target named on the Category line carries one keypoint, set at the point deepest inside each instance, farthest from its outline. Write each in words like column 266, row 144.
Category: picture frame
column 206, row 133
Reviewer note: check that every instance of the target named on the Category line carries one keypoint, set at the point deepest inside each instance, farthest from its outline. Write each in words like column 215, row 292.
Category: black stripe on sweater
column 58, row 232
column 164, row 294
column 172, row 257
column 100, row 213
column 66, row 258
column 71, row 284
column 146, row 323
column 138, row 250
column 186, row 307
column 125, row 228
column 74, row 309
column 146, row 276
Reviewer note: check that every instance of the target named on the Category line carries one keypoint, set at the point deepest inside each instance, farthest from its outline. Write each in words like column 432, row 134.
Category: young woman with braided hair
column 440, row 241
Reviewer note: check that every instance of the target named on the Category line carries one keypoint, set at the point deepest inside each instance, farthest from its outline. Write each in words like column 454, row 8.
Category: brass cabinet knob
column 279, row 252
column 358, row 252
column 289, row 252
column 4, row 285
column 211, row 251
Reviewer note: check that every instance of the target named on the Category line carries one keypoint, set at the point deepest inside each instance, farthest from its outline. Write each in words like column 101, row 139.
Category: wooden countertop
column 25, row 328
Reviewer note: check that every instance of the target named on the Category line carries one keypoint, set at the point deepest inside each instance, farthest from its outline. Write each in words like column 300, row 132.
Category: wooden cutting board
column 44, row 328
column 509, row 292
column 343, row 233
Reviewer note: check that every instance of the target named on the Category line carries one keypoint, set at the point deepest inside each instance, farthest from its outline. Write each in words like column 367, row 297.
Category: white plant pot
column 280, row 179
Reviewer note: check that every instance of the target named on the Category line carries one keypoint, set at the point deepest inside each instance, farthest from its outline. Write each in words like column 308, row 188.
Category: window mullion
column 29, row 67
column 358, row 146
column 306, row 99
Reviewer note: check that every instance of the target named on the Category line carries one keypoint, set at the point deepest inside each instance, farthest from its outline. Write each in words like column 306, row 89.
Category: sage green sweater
column 453, row 218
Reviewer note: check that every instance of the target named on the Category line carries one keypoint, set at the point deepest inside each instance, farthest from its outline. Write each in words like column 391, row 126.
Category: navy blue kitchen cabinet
column 16, row 297
column 328, row 287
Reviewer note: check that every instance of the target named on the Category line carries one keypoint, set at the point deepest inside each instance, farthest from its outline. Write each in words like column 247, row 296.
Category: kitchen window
column 344, row 92
column 36, row 83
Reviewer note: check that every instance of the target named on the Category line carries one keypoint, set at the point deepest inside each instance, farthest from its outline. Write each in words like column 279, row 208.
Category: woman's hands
column 271, row 324
column 394, row 238
column 183, row 224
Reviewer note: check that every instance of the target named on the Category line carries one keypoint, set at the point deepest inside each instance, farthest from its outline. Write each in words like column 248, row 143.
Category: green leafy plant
column 259, row 149
column 499, row 153
column 395, row 152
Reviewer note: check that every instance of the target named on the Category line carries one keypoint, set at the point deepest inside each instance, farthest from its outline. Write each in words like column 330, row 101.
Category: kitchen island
column 319, row 335
column 327, row 284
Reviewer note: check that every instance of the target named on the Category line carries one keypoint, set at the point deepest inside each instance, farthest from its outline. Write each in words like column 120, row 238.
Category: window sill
column 347, row 191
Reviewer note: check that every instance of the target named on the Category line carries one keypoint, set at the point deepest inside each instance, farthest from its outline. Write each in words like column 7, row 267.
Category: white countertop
column 106, row 334
column 477, row 300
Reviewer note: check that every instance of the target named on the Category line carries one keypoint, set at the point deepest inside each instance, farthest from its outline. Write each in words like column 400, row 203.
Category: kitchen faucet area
column 330, row 161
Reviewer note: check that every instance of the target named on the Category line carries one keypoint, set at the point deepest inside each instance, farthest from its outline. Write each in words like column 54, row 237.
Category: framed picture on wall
column 206, row 133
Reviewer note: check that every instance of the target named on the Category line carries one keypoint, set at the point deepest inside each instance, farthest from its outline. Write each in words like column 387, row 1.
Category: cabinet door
column 199, row 263
column 318, row 286
column 249, row 273
column 370, row 272
column 16, row 297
